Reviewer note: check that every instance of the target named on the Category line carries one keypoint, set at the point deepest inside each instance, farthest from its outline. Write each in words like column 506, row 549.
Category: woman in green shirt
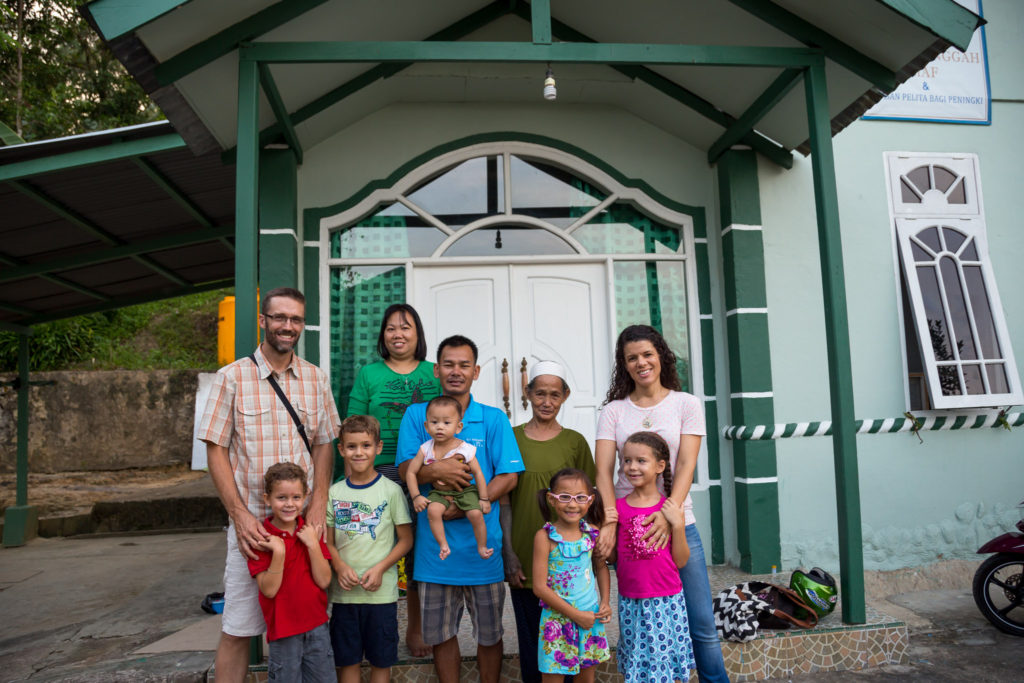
column 546, row 447
column 384, row 389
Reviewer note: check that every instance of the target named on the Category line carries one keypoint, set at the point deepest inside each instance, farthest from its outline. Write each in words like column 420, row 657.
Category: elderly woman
column 645, row 396
column 546, row 447
column 384, row 389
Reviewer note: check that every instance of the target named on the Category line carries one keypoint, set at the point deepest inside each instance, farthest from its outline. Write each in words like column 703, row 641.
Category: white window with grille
column 958, row 352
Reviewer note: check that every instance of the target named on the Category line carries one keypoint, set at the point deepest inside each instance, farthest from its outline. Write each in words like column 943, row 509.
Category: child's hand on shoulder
column 604, row 613
column 673, row 514
column 419, row 503
column 485, row 506
column 309, row 536
column 274, row 545
column 372, row 578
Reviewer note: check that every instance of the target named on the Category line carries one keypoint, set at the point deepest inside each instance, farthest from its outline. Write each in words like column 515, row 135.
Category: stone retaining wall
column 103, row 420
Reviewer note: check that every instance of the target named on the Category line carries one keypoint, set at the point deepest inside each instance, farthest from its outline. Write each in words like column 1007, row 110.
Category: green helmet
column 817, row 588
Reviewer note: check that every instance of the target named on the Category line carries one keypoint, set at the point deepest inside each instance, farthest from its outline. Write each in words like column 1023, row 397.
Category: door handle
column 522, row 373
column 505, row 386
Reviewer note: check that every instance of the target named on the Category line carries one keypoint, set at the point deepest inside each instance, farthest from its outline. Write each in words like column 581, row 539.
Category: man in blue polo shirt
column 464, row 577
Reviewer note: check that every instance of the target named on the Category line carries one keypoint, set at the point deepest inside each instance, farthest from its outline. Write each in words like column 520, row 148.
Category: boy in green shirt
column 365, row 514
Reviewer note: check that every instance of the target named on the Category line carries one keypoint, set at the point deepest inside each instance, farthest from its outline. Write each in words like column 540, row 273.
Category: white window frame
column 908, row 220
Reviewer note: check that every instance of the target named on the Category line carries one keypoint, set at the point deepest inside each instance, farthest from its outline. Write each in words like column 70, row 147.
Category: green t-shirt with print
column 385, row 394
column 364, row 518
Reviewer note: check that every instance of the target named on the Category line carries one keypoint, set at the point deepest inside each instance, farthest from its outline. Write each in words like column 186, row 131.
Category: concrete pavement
column 126, row 608
column 79, row 608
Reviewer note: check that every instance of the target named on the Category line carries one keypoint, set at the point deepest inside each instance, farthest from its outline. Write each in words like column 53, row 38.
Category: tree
column 59, row 78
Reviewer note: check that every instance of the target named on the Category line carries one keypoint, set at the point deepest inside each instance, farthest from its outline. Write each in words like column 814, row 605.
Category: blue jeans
column 707, row 649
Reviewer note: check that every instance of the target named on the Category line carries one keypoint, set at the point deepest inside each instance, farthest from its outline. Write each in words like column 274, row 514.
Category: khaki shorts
column 466, row 499
column 242, row 615
column 441, row 609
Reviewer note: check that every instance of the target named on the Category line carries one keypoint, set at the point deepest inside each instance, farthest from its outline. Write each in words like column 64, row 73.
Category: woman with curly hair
column 645, row 396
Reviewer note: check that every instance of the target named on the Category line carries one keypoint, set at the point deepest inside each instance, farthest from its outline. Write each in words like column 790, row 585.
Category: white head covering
column 548, row 367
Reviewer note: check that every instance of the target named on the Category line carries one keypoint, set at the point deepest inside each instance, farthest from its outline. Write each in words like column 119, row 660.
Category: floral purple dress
column 563, row 647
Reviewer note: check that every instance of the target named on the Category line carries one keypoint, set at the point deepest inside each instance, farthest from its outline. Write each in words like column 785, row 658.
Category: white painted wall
column 919, row 502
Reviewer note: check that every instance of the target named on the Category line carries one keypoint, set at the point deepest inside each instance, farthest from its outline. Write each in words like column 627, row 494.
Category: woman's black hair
column 661, row 451
column 407, row 311
column 595, row 513
column 622, row 384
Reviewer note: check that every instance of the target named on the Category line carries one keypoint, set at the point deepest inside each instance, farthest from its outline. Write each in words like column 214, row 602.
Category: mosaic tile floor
column 831, row 646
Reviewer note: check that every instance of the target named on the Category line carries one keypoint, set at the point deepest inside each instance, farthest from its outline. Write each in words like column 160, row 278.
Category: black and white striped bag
column 745, row 608
column 736, row 612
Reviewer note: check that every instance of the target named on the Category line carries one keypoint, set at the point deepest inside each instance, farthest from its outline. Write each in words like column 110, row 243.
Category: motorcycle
column 999, row 582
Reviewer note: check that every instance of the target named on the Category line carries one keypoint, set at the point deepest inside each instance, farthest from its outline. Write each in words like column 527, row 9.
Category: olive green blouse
column 541, row 460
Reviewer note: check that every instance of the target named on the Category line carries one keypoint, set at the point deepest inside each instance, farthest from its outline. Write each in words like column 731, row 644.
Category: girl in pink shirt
column 654, row 633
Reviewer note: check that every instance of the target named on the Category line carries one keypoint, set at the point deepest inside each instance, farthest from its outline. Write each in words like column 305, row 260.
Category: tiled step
column 831, row 646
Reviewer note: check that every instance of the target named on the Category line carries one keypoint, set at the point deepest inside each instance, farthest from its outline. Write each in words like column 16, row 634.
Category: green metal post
column 21, row 492
column 21, row 522
column 246, row 199
column 844, row 429
column 247, row 173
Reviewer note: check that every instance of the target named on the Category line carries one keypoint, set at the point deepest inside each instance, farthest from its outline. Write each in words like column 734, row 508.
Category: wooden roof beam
column 809, row 34
column 779, row 88
column 220, row 44
column 280, row 111
column 770, row 149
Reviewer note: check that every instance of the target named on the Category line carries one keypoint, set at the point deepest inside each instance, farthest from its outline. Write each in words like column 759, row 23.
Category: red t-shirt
column 300, row 605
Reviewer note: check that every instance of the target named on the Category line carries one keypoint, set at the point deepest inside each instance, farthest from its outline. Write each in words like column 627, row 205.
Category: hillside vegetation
column 173, row 334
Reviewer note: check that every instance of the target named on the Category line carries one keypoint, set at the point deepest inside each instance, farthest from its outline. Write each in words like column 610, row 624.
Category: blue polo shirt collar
column 474, row 413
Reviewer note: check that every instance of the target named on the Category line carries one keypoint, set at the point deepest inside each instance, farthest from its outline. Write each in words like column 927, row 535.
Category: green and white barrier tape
column 883, row 426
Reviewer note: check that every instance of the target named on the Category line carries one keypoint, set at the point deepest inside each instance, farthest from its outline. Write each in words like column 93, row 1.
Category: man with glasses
column 247, row 428
column 479, row 582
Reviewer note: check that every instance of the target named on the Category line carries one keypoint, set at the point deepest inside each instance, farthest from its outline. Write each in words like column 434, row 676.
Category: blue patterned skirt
column 654, row 640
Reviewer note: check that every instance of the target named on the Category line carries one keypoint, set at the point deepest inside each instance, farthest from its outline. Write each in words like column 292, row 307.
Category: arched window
column 962, row 348
column 506, row 203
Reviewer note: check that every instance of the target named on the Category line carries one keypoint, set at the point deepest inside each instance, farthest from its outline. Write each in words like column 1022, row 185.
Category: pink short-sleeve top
column 678, row 413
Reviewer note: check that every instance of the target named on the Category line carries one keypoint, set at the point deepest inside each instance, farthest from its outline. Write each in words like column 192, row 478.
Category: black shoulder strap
column 287, row 405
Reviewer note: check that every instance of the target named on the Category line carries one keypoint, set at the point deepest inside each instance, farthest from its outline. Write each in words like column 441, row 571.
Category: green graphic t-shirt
column 364, row 520
column 385, row 394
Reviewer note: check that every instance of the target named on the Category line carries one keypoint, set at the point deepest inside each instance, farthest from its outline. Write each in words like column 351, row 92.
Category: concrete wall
column 919, row 502
column 103, row 420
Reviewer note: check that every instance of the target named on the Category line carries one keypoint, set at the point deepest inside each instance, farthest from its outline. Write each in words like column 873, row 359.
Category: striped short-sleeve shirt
column 244, row 415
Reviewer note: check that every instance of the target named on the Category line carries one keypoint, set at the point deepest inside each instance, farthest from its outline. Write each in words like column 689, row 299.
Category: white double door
column 514, row 313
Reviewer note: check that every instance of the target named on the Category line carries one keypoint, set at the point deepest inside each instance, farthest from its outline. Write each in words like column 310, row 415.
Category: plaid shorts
column 441, row 607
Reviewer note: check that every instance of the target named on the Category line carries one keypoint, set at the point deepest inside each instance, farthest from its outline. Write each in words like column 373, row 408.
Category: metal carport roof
column 98, row 221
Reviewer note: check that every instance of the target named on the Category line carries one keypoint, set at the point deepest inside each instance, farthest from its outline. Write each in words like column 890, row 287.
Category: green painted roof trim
column 115, row 18
column 312, row 216
column 945, row 18
column 215, row 47
column 95, row 155
column 9, row 137
column 106, row 255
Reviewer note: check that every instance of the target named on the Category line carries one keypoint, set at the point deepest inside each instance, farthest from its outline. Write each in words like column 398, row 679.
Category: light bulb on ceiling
column 550, row 92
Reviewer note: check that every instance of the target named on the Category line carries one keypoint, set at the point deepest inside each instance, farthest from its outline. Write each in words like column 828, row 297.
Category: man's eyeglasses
column 281, row 319
column 580, row 499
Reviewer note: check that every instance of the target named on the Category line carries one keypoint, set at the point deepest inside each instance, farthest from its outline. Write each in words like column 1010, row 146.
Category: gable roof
column 184, row 52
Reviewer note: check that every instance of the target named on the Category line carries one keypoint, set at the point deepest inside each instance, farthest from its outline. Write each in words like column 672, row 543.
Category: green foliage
column 171, row 334
column 66, row 82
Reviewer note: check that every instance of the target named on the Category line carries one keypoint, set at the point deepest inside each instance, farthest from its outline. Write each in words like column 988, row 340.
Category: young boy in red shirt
column 292, row 571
